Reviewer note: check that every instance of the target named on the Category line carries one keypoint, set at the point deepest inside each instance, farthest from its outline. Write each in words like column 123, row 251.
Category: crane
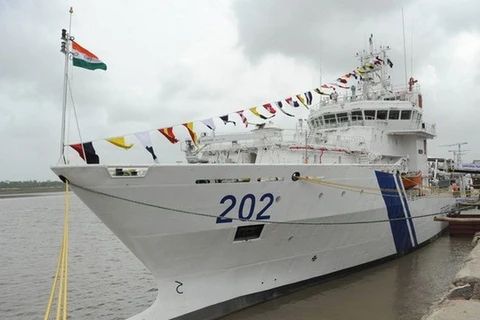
column 458, row 153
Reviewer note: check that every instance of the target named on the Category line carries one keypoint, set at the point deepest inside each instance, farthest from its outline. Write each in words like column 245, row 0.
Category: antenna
column 411, row 53
column 321, row 61
column 370, row 43
column 404, row 46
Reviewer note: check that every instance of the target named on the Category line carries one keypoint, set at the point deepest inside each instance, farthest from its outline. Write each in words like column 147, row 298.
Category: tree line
column 30, row 184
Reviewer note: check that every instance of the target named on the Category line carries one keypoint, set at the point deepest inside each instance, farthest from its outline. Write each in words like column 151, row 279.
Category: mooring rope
column 61, row 272
column 385, row 192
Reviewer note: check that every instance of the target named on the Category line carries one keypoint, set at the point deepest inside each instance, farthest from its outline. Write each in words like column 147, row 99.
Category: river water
column 107, row 282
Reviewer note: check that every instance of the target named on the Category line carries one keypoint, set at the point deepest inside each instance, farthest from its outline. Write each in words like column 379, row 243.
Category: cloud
column 328, row 34
column 178, row 61
column 301, row 29
column 441, row 44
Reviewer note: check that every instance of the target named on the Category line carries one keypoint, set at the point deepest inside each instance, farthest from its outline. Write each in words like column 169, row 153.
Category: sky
column 176, row 61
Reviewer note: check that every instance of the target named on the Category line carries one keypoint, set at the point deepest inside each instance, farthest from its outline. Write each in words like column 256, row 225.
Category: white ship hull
column 193, row 254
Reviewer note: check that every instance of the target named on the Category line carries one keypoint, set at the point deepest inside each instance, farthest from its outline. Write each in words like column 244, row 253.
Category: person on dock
column 454, row 186
column 468, row 190
column 455, row 189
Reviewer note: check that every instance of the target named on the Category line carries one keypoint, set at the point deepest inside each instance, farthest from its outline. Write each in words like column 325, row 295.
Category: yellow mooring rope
column 62, row 272
column 438, row 193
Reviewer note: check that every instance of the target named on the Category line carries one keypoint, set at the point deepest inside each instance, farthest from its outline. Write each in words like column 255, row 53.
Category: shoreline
column 4, row 194
column 462, row 301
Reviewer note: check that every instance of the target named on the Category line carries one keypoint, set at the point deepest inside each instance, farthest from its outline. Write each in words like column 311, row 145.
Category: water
column 107, row 282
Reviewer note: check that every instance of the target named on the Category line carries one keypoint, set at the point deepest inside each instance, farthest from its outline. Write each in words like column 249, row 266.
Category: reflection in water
column 402, row 289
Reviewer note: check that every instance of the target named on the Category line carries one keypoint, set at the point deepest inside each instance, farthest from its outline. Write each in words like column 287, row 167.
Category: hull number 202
column 246, row 207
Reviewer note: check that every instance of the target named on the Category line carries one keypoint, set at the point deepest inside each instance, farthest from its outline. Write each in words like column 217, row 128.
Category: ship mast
column 65, row 49
column 377, row 75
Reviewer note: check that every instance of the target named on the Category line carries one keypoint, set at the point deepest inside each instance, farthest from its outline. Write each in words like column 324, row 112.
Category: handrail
column 398, row 93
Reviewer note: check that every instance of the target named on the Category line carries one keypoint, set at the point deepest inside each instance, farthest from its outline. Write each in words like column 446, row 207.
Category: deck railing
column 398, row 93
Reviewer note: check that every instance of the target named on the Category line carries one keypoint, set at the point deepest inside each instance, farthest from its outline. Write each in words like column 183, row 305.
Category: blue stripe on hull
column 393, row 202
column 405, row 201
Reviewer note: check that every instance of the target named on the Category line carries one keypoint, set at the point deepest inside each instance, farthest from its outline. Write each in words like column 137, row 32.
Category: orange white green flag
column 85, row 59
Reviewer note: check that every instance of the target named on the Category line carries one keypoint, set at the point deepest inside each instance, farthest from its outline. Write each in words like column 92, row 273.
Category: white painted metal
column 202, row 255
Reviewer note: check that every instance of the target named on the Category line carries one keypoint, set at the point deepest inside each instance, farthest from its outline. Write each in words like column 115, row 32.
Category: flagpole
column 66, row 39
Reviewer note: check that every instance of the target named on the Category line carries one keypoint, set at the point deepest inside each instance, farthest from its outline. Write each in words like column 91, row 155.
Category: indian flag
column 85, row 59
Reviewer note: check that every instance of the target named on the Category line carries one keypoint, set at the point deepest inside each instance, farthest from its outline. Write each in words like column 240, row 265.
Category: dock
column 462, row 301
column 465, row 225
column 466, row 221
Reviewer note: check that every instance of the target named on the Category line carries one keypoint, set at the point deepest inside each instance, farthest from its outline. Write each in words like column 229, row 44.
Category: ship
column 252, row 216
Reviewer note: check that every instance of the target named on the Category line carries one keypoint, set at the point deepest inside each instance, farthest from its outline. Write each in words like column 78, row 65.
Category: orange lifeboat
column 411, row 179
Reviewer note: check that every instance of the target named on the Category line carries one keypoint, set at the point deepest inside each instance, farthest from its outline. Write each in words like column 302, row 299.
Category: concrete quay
column 462, row 302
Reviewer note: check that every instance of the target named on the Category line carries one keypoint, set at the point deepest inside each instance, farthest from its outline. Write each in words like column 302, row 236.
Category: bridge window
column 393, row 115
column 329, row 119
column 406, row 114
column 370, row 114
column 357, row 115
column 382, row 114
column 342, row 117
